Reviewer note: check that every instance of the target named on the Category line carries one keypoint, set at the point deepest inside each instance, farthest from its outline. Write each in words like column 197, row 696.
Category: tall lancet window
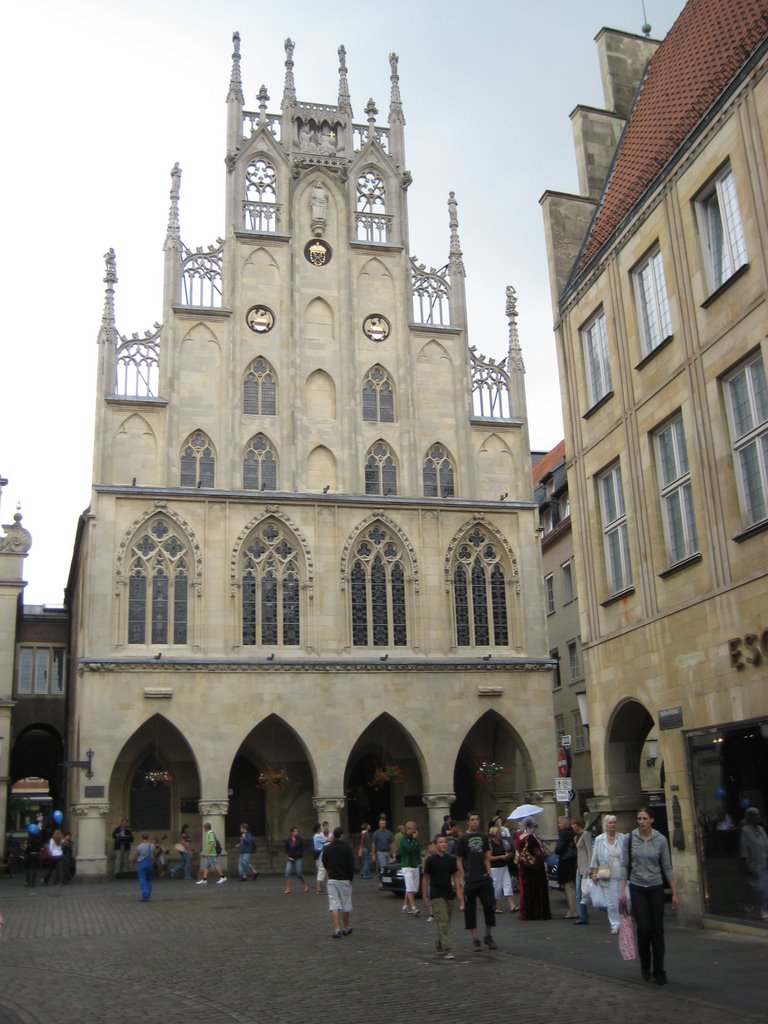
column 378, row 591
column 270, row 587
column 438, row 473
column 373, row 224
column 260, row 209
column 380, row 470
column 198, row 462
column 260, row 465
column 480, row 593
column 378, row 397
column 260, row 389
column 158, row 584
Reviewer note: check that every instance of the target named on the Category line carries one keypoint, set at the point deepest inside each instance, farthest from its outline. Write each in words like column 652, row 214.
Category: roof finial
column 371, row 112
column 263, row 98
column 515, row 352
column 235, row 82
column 395, row 104
column 107, row 332
column 646, row 29
column 173, row 234
column 455, row 260
column 344, row 103
column 289, row 89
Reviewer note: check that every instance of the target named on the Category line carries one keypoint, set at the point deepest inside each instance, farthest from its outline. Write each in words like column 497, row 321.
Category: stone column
column 438, row 804
column 91, row 849
column 214, row 812
column 329, row 809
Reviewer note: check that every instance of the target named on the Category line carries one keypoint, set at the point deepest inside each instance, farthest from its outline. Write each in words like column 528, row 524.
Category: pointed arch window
column 198, row 462
column 373, row 223
column 260, row 465
column 158, row 585
column 270, row 586
column 438, row 473
column 480, row 593
column 260, row 209
column 377, row 590
column 378, row 397
column 260, row 389
column 380, row 470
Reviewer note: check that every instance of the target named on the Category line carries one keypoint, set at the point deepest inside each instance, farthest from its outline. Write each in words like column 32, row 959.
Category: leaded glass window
column 378, row 397
column 158, row 585
column 379, row 617
column 380, row 470
column 480, row 592
column 259, row 465
column 260, row 389
column 198, row 462
column 438, row 473
column 270, row 587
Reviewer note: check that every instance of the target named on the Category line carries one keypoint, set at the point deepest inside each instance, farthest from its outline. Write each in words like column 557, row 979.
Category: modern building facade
column 658, row 274
column 308, row 582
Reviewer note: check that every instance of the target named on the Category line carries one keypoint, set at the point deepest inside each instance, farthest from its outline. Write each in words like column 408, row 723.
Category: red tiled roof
column 547, row 463
column 705, row 48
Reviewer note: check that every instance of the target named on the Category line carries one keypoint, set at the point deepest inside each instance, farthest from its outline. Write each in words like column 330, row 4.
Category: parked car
column 391, row 877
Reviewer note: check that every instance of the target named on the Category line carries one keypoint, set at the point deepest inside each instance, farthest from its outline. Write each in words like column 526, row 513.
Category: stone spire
column 235, row 81
column 173, row 234
column 396, row 115
column 107, row 332
column 289, row 89
column 263, row 98
column 344, row 103
column 515, row 352
column 455, row 260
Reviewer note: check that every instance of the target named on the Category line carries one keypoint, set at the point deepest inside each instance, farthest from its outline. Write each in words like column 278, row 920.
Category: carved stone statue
column 319, row 204
column 306, row 142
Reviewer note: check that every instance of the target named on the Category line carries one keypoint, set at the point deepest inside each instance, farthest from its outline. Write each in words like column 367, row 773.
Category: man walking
column 410, row 858
column 437, row 890
column 246, row 847
column 382, row 845
column 473, row 851
column 144, row 856
column 123, row 838
column 339, row 861
column 211, row 850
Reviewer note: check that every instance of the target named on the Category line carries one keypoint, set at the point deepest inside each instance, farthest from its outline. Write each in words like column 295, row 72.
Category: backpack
column 217, row 844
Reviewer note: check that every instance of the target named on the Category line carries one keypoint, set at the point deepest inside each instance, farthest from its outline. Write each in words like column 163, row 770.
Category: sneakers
column 347, row 931
column 221, row 880
column 430, row 918
column 414, row 912
column 477, row 945
column 200, row 882
column 448, row 956
column 660, row 978
column 405, row 908
column 488, row 940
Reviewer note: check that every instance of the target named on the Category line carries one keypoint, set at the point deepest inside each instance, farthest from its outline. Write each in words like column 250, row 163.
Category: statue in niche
column 319, row 204
column 306, row 141
column 327, row 143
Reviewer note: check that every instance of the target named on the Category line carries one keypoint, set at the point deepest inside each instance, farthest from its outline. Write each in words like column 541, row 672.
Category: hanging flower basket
column 271, row 778
column 489, row 771
column 158, row 778
column 389, row 773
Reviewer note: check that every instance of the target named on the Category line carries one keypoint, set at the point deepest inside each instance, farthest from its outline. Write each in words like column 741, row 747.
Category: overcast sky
column 102, row 97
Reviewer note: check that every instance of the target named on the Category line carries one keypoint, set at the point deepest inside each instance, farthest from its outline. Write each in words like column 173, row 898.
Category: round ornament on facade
column 376, row 327
column 317, row 252
column 260, row 319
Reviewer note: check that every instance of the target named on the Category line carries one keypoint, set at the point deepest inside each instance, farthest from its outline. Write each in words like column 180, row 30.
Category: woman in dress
column 645, row 866
column 501, row 855
column 294, row 865
column 583, row 842
column 531, row 859
column 605, row 868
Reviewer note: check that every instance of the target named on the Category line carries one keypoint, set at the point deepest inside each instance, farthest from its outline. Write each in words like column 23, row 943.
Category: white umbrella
column 525, row 811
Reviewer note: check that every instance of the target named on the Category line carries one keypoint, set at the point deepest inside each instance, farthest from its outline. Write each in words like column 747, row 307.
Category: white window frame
column 594, row 338
column 559, row 728
column 721, row 229
column 40, row 670
column 579, row 733
column 747, row 403
column 675, row 491
column 567, row 570
column 549, row 593
column 575, row 672
column 653, row 313
column 618, row 564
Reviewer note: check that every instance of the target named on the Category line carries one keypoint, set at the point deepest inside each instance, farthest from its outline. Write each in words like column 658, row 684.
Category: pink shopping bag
column 627, row 946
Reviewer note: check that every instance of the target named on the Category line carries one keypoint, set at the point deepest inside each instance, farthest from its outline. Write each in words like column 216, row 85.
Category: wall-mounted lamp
column 583, row 708
column 653, row 752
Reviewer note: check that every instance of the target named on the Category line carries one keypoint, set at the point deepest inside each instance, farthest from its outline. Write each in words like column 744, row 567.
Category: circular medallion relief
column 317, row 252
column 376, row 327
column 260, row 319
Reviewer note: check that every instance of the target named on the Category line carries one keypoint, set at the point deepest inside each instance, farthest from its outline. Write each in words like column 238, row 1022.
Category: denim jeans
column 365, row 868
column 244, row 866
column 145, row 877
column 581, row 908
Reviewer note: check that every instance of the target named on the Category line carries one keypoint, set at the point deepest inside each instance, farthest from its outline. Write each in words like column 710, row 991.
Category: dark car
column 391, row 877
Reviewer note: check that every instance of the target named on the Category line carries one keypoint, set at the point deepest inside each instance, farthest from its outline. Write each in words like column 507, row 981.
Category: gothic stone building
column 311, row 549
column 659, row 287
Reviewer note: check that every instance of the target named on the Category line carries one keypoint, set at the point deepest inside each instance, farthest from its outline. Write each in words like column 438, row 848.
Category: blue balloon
column 58, row 817
column 33, row 829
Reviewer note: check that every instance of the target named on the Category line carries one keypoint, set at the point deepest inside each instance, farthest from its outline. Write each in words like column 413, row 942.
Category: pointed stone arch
column 134, row 451
column 387, row 521
column 491, row 738
column 484, row 524
column 199, row 365
column 385, row 740
column 322, row 469
column 160, row 508
column 260, row 269
column 376, row 289
column 271, row 512
column 432, row 352
column 320, row 395
column 319, row 321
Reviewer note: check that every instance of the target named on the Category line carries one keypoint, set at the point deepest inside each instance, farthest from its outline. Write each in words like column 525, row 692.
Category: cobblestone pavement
column 246, row 953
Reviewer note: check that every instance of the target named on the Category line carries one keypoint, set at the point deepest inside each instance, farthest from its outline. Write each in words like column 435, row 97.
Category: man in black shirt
column 437, row 889
column 474, row 856
column 339, row 862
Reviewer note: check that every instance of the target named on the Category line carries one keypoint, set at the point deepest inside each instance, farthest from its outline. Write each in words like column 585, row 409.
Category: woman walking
column 583, row 843
column 646, row 864
column 605, row 868
column 294, row 865
column 531, row 859
column 55, row 859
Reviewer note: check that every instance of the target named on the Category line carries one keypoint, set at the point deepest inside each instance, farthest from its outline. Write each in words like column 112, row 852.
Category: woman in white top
column 604, row 868
column 55, row 858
